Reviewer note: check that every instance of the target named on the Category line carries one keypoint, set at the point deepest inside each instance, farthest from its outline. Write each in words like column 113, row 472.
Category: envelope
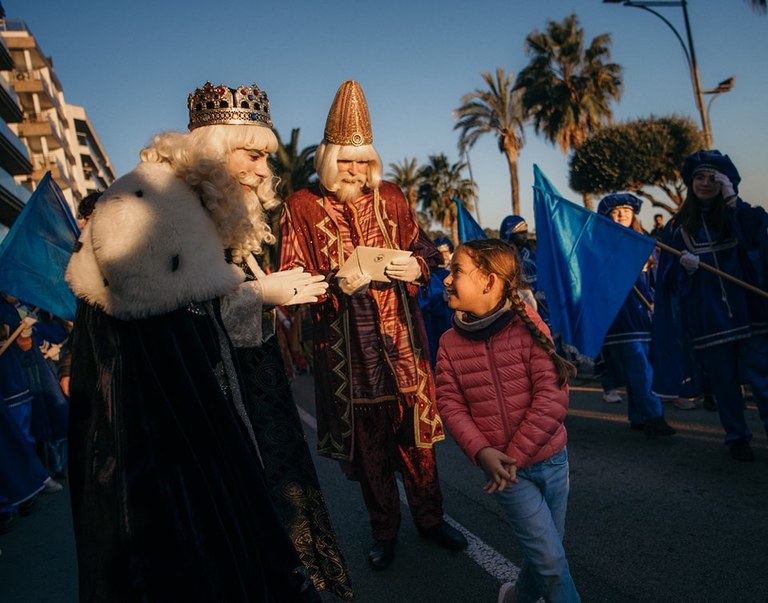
column 370, row 261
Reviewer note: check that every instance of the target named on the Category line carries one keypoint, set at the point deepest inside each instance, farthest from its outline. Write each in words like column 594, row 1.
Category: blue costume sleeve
column 750, row 226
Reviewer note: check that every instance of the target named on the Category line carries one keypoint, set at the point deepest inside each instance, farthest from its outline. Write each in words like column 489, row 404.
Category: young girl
column 502, row 393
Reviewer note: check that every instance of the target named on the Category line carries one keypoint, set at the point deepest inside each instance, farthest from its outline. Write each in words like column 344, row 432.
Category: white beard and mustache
column 349, row 188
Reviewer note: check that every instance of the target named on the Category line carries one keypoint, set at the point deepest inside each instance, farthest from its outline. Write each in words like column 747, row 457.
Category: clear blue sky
column 132, row 64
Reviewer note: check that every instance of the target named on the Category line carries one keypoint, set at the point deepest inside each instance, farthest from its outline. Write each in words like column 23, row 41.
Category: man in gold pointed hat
column 373, row 383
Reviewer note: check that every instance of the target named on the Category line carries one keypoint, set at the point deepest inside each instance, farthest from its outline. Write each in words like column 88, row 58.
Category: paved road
column 649, row 521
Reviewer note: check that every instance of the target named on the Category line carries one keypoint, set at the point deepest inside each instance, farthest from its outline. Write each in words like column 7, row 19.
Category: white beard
column 349, row 188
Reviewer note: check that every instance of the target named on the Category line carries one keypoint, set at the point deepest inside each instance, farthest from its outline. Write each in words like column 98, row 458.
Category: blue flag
column 35, row 252
column 586, row 265
column 469, row 230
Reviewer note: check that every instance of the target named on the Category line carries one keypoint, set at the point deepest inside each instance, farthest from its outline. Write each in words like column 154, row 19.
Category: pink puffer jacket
column 502, row 392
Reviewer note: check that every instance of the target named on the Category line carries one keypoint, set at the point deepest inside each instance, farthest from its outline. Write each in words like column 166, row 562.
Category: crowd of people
column 168, row 406
column 34, row 408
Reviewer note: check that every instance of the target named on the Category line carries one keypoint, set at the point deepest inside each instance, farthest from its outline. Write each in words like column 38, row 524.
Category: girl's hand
column 500, row 467
column 726, row 187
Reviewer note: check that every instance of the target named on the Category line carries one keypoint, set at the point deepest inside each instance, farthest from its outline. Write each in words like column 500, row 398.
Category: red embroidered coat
column 369, row 348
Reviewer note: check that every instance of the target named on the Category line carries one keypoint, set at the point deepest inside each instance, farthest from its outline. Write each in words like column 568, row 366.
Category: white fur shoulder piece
column 149, row 248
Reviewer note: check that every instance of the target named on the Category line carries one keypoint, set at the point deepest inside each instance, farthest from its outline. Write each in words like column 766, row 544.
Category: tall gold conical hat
column 348, row 120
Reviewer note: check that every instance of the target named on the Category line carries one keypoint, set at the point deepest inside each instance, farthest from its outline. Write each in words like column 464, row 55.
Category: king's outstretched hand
column 289, row 287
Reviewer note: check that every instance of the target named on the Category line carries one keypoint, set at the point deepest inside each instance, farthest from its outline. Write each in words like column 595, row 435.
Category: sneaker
column 684, row 404
column 51, row 486
column 658, row 427
column 740, row 450
column 611, row 396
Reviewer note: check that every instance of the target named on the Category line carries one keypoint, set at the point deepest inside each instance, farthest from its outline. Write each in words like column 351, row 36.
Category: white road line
column 488, row 558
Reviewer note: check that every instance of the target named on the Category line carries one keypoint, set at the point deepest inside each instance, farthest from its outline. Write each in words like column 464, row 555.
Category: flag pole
column 22, row 325
column 714, row 270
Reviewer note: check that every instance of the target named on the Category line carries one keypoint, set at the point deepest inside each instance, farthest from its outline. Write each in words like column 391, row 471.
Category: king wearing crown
column 193, row 478
column 373, row 384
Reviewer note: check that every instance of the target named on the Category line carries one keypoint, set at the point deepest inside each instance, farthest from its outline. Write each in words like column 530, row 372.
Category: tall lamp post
column 690, row 57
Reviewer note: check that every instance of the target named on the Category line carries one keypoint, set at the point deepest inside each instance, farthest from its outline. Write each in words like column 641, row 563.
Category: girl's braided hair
column 500, row 258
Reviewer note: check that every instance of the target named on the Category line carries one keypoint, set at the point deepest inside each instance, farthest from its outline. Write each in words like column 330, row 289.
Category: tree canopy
column 634, row 155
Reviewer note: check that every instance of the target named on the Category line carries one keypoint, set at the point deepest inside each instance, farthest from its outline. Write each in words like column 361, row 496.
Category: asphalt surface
column 650, row 520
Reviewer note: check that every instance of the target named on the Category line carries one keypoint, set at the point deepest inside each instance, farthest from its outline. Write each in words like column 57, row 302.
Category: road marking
column 488, row 558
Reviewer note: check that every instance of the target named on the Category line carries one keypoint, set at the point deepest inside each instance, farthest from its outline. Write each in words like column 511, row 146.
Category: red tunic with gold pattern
column 370, row 348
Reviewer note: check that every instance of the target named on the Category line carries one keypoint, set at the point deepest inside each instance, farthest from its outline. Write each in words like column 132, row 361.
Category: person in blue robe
column 626, row 348
column 514, row 229
column 432, row 300
column 702, row 315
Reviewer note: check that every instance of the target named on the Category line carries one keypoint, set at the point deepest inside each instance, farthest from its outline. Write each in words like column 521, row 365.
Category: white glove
column 404, row 269
column 689, row 261
column 726, row 187
column 291, row 287
column 356, row 284
column 27, row 321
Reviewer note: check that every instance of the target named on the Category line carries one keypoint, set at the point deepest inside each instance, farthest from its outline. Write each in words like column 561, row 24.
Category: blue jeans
column 536, row 508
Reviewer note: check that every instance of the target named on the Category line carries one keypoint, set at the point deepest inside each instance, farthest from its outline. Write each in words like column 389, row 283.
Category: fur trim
column 150, row 248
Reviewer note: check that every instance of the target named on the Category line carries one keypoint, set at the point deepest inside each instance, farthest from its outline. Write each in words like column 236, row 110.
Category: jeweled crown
column 213, row 105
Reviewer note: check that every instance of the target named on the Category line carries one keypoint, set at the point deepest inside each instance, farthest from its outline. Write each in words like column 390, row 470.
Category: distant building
column 14, row 156
column 58, row 136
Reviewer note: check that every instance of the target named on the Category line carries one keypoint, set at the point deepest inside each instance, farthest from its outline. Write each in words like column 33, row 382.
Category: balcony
column 18, row 39
column 14, row 156
column 13, row 196
column 6, row 60
column 50, row 163
column 37, row 128
column 29, row 83
column 10, row 109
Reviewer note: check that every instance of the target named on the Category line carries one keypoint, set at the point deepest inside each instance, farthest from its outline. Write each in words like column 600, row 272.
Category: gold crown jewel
column 348, row 120
column 215, row 105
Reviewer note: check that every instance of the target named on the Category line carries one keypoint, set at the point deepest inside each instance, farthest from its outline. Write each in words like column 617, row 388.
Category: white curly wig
column 200, row 159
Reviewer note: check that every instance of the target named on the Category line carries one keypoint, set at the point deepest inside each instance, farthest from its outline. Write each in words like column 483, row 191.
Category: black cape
column 168, row 494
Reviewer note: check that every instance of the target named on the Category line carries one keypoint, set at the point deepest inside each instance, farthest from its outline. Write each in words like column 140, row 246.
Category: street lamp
column 690, row 57
column 723, row 86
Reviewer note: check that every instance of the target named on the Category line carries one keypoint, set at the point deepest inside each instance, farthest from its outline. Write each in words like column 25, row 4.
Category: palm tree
column 567, row 90
column 440, row 181
column 406, row 176
column 496, row 110
column 759, row 6
column 294, row 168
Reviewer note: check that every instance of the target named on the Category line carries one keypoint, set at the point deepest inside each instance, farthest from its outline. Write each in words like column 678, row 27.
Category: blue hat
column 610, row 202
column 713, row 160
column 512, row 225
column 444, row 241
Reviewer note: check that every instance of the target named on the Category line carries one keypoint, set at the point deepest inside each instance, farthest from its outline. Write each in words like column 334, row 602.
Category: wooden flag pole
column 7, row 343
column 714, row 270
